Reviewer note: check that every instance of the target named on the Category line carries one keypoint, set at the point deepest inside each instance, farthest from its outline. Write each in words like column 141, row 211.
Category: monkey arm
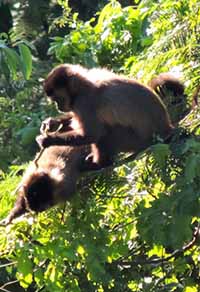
column 71, row 138
column 19, row 209
column 90, row 130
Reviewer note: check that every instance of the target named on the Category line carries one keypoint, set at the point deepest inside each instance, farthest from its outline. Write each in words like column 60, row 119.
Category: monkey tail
column 165, row 84
column 171, row 91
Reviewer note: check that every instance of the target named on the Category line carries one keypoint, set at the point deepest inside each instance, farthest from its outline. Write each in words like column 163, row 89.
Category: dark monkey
column 114, row 113
column 51, row 181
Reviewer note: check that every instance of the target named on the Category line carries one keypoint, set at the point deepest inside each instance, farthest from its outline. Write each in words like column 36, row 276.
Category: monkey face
column 57, row 88
column 62, row 99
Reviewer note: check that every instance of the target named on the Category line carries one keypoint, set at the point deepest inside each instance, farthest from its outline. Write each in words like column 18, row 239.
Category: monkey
column 105, row 107
column 53, row 180
column 172, row 92
column 52, row 176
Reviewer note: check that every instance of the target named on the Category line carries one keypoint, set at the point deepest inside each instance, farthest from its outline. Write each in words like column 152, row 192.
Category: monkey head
column 57, row 87
column 65, row 82
column 50, row 179
column 39, row 191
column 61, row 86
column 35, row 194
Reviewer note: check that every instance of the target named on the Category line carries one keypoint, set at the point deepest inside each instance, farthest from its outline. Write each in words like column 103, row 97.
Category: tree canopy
column 133, row 227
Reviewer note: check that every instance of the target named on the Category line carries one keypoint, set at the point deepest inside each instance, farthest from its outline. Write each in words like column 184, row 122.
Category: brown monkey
column 53, row 178
column 115, row 113
column 171, row 90
column 51, row 181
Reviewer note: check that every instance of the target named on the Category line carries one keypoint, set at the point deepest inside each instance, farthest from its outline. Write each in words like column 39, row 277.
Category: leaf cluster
column 131, row 228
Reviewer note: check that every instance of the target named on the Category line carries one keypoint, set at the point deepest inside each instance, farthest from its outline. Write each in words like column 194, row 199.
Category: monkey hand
column 44, row 141
column 50, row 125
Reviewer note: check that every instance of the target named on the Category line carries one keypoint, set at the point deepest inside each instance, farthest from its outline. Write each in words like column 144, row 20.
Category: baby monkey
column 52, row 177
column 51, row 180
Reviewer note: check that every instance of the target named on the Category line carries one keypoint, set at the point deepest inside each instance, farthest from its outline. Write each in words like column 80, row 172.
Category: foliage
column 20, row 121
column 19, row 118
column 175, row 29
column 11, row 61
column 128, row 233
column 133, row 228
column 118, row 33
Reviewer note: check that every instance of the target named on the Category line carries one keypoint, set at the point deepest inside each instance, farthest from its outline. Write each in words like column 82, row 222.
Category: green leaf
column 161, row 152
column 81, row 250
column 12, row 60
column 25, row 269
column 191, row 289
column 26, row 60
column 192, row 167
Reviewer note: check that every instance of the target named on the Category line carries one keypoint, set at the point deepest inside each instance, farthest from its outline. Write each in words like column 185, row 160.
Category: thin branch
column 42, row 288
column 5, row 290
column 175, row 254
column 122, row 225
column 114, row 196
column 7, row 265
column 186, row 247
column 7, row 284
column 160, row 280
column 38, row 156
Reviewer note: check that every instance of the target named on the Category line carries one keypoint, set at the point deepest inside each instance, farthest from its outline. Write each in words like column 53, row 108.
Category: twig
column 5, row 290
column 122, row 225
column 175, row 254
column 7, row 284
column 8, row 264
column 42, row 288
column 160, row 280
column 38, row 156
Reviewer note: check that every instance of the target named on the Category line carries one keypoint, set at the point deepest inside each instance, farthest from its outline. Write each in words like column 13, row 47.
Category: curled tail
column 166, row 83
column 171, row 90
